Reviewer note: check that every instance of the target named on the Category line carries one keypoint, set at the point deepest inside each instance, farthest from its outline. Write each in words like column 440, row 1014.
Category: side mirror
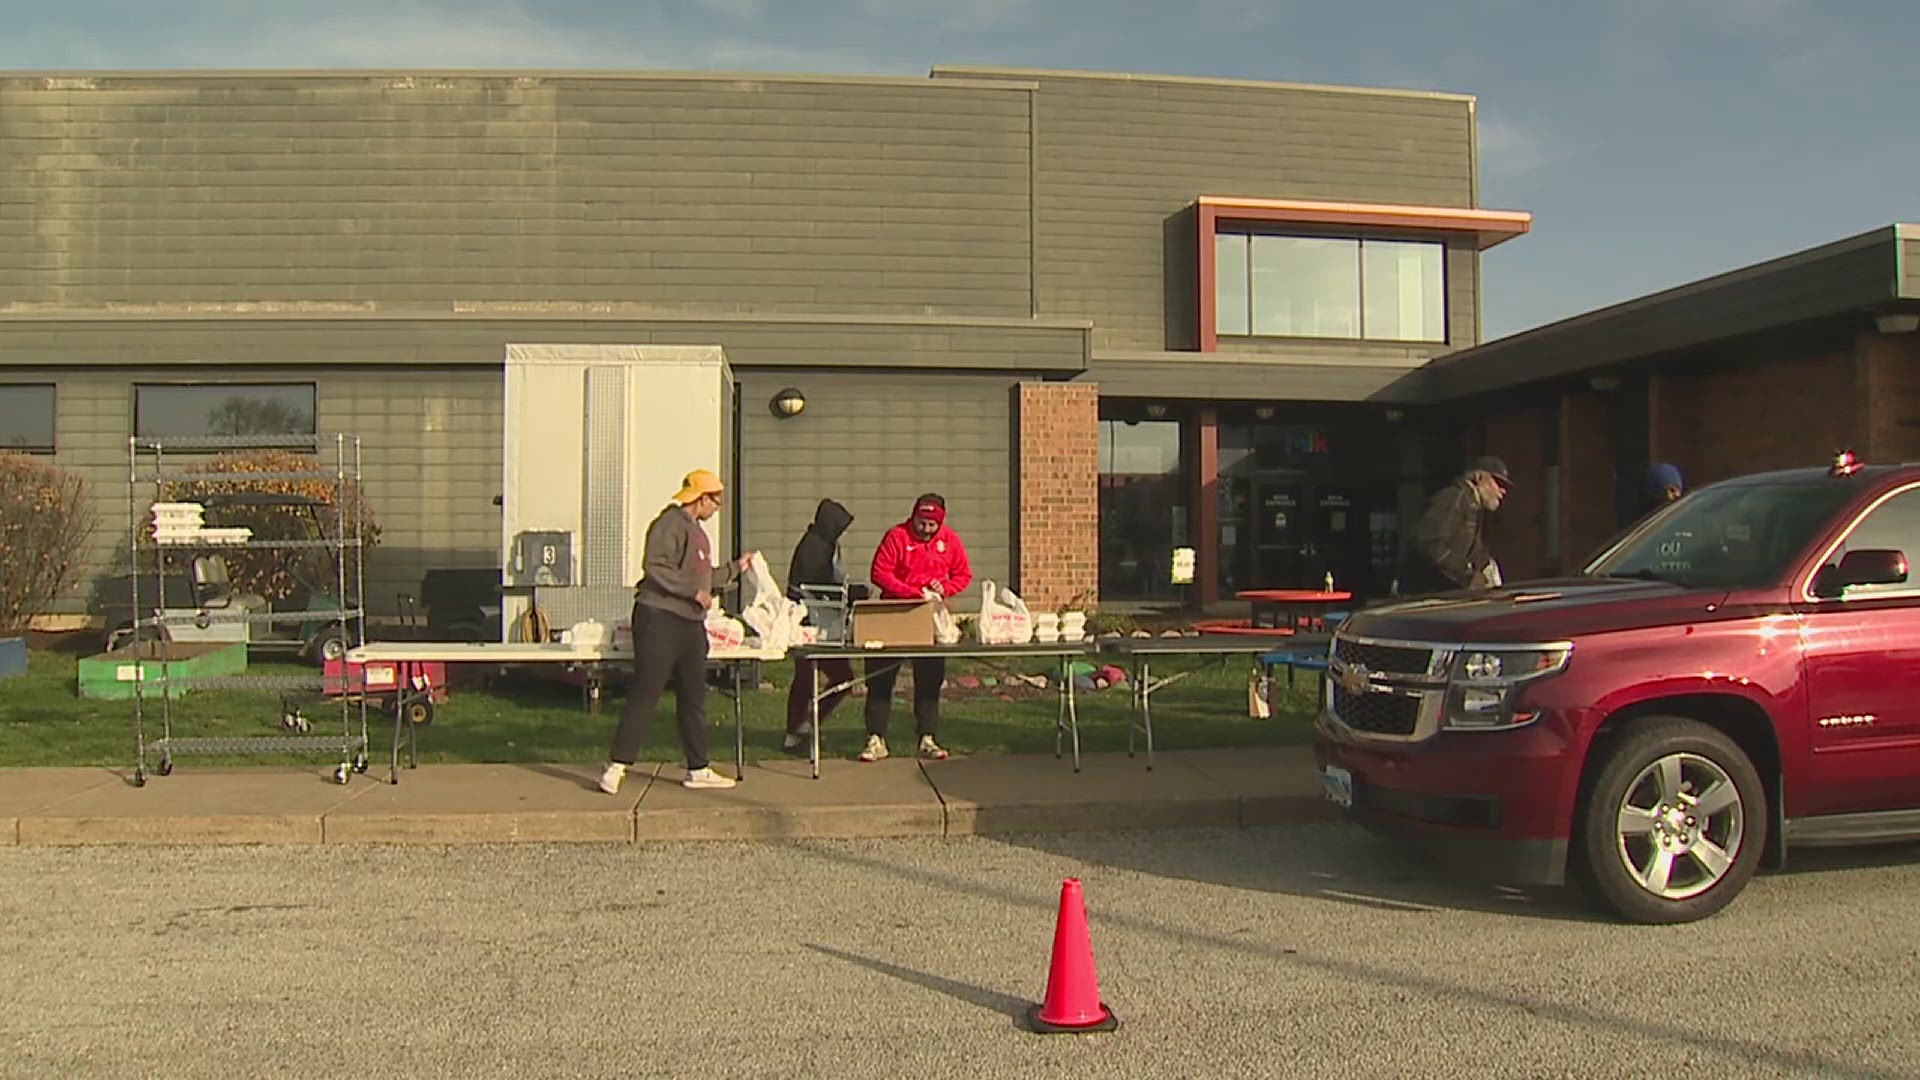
column 1867, row 566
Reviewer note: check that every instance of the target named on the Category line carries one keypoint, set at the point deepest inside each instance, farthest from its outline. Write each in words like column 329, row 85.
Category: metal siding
column 1117, row 160
column 873, row 442
column 1910, row 264
column 861, row 197
column 1013, row 347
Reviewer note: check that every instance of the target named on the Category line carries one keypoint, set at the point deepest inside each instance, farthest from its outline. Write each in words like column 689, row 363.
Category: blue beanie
column 1662, row 476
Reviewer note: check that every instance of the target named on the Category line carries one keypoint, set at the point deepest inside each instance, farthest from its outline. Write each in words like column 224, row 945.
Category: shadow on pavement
column 1333, row 862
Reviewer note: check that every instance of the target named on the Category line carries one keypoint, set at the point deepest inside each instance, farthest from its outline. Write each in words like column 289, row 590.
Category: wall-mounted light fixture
column 1156, row 410
column 1898, row 322
column 789, row 402
column 1263, row 412
column 1604, row 383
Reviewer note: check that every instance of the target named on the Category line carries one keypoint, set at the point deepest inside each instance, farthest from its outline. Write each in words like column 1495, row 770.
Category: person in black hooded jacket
column 816, row 561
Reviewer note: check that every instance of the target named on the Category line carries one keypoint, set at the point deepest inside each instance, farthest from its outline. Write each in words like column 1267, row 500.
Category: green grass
column 44, row 722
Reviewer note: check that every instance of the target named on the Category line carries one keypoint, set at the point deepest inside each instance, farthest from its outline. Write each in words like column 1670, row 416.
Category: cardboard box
column 892, row 622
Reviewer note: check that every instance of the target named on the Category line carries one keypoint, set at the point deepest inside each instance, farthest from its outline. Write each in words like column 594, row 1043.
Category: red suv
column 1737, row 675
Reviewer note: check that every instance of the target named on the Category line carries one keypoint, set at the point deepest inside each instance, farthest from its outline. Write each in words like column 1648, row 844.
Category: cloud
column 1511, row 149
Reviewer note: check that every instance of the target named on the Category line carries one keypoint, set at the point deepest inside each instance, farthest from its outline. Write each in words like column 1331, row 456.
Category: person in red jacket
column 921, row 556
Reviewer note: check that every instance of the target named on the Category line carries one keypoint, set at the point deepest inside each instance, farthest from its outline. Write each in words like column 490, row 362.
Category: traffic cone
column 1073, row 994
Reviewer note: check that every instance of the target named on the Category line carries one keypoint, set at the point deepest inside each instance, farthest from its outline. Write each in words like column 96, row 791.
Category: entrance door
column 1281, row 539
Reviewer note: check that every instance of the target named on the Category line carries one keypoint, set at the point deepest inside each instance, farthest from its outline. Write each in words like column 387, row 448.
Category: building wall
column 1892, row 380
column 873, row 443
column 1742, row 418
column 1118, row 160
column 379, row 191
column 430, row 444
column 1587, row 479
column 1517, row 433
column 1058, row 494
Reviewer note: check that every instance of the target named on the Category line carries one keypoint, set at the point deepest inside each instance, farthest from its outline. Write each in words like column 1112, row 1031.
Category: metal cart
column 154, row 463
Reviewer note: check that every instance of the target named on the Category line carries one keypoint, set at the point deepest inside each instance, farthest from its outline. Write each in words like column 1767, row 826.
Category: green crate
column 110, row 676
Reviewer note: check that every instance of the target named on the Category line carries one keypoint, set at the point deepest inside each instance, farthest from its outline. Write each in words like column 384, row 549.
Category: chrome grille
column 1383, row 659
column 1381, row 714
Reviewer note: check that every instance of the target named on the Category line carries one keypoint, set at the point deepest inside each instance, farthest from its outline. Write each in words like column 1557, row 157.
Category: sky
column 1655, row 142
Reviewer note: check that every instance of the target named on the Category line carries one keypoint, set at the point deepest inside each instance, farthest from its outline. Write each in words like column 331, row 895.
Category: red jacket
column 903, row 565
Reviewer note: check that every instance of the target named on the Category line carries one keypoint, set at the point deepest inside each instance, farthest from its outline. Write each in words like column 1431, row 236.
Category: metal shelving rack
column 149, row 469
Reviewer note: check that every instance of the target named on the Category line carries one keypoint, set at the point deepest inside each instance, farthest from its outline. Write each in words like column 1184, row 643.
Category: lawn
column 44, row 721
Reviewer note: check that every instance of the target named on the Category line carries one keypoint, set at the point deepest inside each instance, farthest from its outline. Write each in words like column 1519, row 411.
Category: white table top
column 515, row 652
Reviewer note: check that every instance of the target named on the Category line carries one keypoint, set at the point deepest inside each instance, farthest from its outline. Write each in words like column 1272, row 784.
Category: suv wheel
column 1674, row 822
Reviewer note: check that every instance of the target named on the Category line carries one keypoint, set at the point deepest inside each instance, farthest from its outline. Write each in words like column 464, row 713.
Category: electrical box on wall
column 542, row 557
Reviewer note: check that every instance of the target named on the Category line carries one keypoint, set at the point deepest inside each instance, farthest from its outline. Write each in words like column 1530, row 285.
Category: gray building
column 1242, row 269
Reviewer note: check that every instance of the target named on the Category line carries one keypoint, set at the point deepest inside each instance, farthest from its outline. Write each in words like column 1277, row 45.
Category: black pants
column 928, row 674
column 666, row 649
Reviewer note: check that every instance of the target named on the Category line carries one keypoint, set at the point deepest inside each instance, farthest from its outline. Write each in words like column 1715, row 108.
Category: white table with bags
column 591, row 659
column 1004, row 630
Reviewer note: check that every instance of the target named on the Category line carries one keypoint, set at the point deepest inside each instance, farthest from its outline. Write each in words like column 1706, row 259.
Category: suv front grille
column 1381, row 714
column 1383, row 659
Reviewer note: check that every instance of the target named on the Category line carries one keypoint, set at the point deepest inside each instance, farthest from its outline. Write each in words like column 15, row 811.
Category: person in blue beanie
column 1664, row 485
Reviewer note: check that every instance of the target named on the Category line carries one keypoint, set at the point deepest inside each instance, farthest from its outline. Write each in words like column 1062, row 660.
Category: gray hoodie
column 679, row 565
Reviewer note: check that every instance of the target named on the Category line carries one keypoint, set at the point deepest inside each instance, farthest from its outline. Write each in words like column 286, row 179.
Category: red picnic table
column 1293, row 609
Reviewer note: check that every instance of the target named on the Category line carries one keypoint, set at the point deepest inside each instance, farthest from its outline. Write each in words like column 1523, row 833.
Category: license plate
column 1339, row 784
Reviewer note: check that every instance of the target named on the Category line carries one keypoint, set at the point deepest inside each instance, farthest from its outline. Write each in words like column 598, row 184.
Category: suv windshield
column 1727, row 536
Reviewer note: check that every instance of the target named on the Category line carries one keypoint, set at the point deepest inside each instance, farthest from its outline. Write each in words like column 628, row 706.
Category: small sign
column 1183, row 566
column 126, row 673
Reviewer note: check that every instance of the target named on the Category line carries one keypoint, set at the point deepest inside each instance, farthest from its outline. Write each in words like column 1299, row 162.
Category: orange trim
column 1489, row 227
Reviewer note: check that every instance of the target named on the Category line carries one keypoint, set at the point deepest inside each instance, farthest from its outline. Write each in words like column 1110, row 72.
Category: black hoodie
column 813, row 557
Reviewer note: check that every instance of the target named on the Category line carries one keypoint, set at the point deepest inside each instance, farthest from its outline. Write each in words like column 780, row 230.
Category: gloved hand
column 932, row 591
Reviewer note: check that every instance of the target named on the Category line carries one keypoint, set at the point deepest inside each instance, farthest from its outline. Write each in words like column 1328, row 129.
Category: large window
column 223, row 409
column 1143, row 508
column 26, row 417
column 1325, row 287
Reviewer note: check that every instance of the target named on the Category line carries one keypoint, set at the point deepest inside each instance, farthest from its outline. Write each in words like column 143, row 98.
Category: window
column 223, row 409
column 26, row 417
column 1893, row 525
column 1327, row 287
column 1143, row 508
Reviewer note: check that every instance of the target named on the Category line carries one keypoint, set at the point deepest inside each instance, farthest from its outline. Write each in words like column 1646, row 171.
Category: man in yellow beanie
column 670, row 634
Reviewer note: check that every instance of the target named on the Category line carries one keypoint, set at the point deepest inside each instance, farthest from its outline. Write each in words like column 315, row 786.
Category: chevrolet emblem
column 1354, row 678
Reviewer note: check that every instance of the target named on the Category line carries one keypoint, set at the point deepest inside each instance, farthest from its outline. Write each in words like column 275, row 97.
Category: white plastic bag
column 774, row 618
column 723, row 630
column 1004, row 619
column 946, row 631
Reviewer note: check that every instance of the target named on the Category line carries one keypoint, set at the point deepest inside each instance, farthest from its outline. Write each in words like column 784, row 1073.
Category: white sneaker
column 876, row 749
column 610, row 780
column 931, row 750
column 707, row 778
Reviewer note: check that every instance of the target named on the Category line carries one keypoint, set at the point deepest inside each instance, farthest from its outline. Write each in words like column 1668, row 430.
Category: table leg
column 1073, row 717
column 1146, row 709
column 813, row 716
column 1060, row 716
column 399, row 717
column 739, row 729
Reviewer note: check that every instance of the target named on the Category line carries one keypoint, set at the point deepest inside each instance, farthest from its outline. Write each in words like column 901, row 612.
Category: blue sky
column 1655, row 141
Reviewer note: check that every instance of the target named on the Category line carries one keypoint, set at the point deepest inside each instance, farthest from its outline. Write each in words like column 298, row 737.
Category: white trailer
column 598, row 438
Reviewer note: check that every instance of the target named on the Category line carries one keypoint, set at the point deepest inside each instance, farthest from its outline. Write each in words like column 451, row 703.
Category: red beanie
column 931, row 511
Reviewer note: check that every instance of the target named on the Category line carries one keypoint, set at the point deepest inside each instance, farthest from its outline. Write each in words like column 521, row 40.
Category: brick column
column 1056, row 532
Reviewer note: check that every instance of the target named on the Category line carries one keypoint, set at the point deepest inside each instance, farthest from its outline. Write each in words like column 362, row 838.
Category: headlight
column 1510, row 665
column 1486, row 682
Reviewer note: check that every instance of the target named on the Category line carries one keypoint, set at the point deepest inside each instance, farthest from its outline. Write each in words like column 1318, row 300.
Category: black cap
column 1493, row 467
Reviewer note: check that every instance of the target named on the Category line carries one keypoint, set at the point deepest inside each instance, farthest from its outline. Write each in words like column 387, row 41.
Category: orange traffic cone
column 1073, row 994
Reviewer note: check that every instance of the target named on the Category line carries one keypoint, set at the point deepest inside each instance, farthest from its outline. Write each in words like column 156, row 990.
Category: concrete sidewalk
column 459, row 804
